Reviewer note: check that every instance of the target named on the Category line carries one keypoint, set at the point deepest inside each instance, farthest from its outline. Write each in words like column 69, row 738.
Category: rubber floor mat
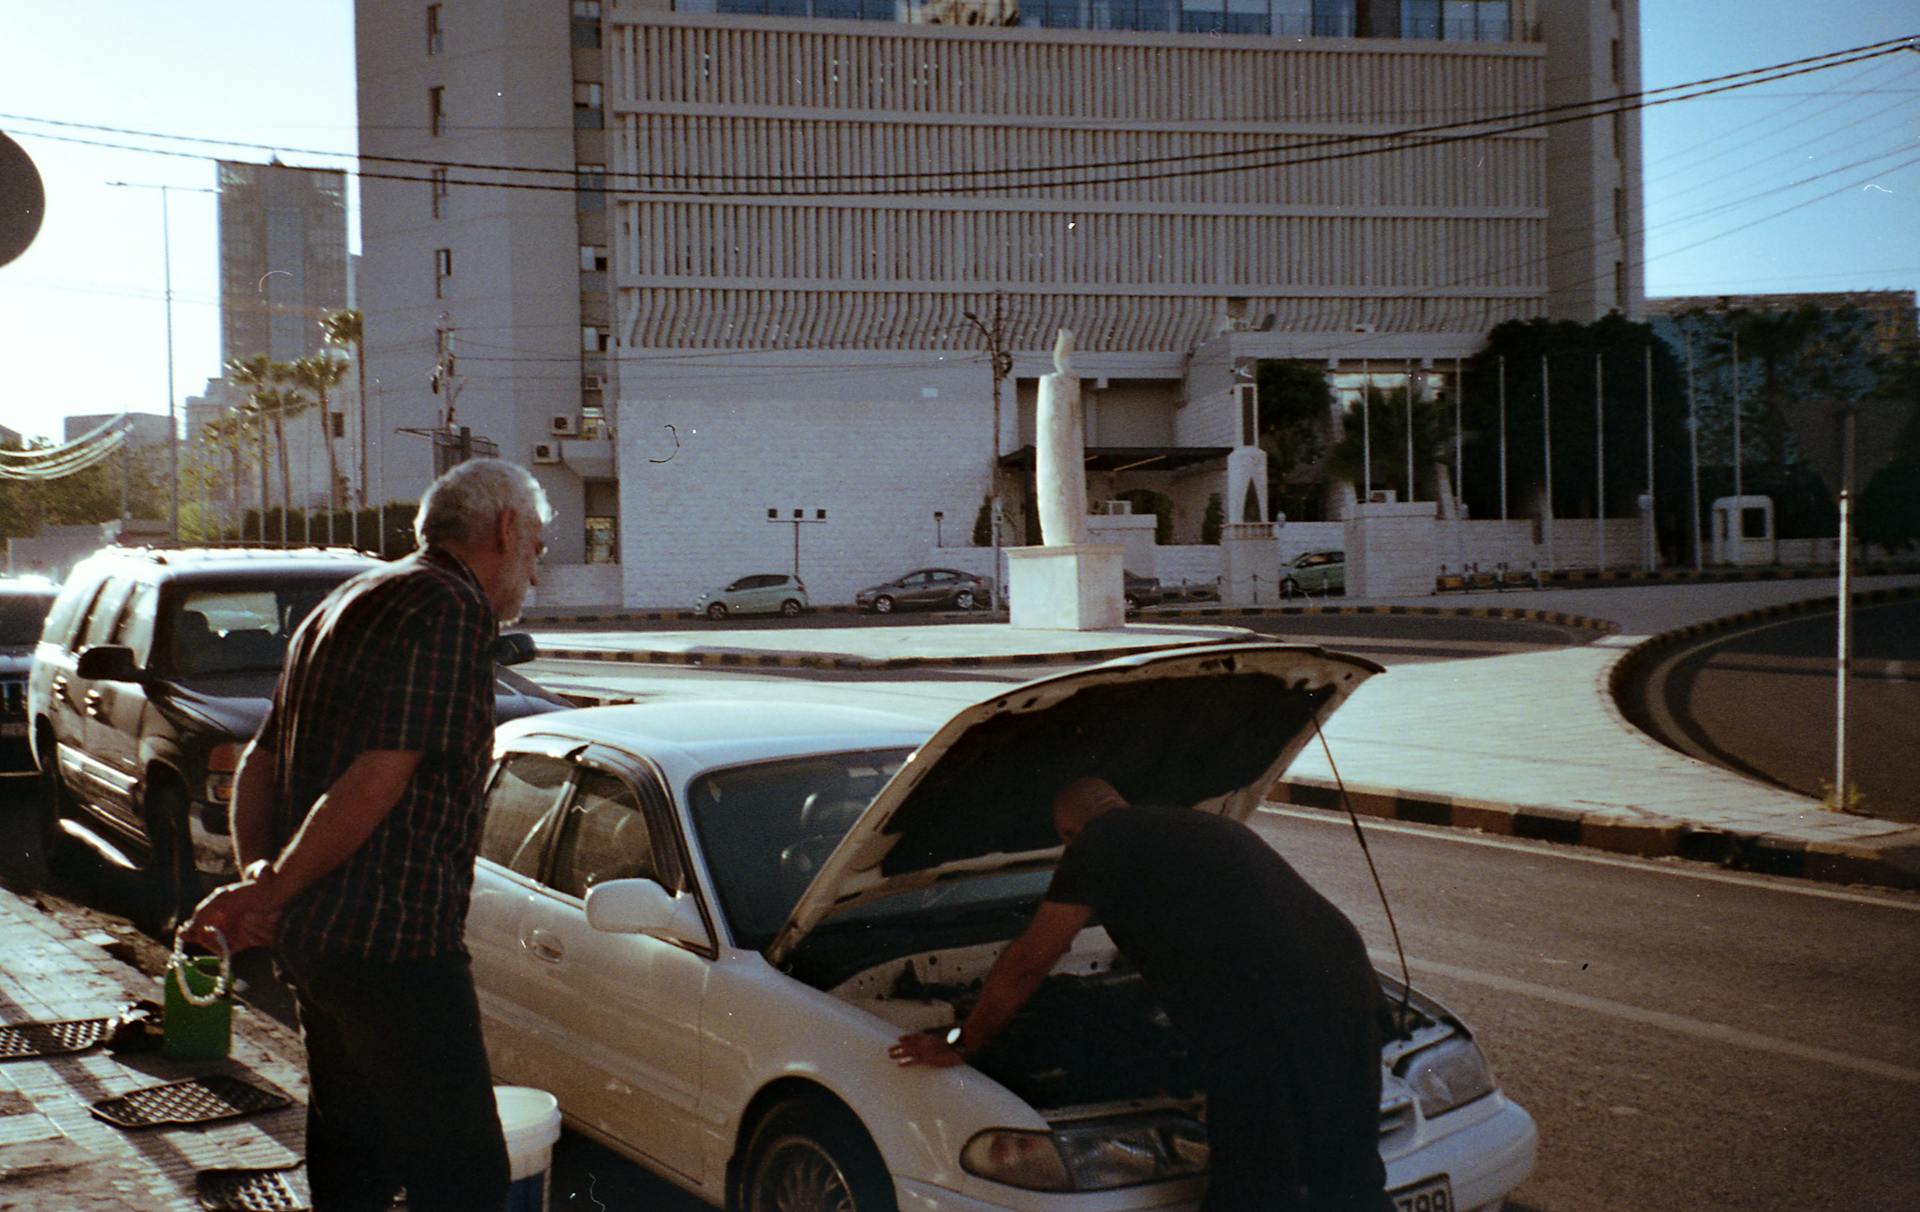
column 18, row 1041
column 278, row 1190
column 199, row 1100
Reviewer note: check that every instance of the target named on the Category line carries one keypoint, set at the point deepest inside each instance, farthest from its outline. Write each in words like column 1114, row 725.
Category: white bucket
column 530, row 1121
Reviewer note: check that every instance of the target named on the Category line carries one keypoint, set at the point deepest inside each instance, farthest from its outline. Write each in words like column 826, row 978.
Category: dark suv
column 23, row 608
column 152, row 673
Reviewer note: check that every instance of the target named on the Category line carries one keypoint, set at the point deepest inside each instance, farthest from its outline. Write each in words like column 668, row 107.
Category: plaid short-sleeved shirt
column 397, row 658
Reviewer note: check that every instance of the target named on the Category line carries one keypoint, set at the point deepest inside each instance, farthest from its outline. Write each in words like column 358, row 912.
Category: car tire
column 169, row 883
column 717, row 611
column 810, row 1152
column 963, row 600
column 883, row 605
column 1289, row 587
column 790, row 608
column 1132, row 602
column 62, row 855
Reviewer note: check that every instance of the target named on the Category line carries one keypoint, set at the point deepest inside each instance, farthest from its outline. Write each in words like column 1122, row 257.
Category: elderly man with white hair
column 356, row 816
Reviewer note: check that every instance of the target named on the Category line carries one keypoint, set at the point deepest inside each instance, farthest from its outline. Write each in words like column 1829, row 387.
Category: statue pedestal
column 1072, row 588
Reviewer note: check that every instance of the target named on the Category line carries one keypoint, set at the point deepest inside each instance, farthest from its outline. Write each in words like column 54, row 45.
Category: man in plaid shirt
column 356, row 817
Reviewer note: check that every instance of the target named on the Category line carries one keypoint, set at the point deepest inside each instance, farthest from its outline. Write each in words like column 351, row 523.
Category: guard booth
column 1743, row 531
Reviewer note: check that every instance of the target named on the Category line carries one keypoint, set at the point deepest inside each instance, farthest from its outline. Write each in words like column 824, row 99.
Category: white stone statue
column 1060, row 474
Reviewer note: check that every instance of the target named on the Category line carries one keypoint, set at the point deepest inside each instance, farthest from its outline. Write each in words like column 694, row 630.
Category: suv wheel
column 63, row 857
column 170, row 883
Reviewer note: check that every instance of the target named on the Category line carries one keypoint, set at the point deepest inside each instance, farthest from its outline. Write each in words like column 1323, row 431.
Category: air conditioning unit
column 593, row 382
column 1383, row 496
column 546, row 452
column 565, row 425
column 1116, row 508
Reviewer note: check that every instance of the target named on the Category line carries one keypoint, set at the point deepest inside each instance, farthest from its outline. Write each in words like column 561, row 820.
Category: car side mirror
column 109, row 663
column 515, row 648
column 644, row 906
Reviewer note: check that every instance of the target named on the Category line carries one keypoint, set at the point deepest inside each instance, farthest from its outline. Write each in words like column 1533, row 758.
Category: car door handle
column 543, row 945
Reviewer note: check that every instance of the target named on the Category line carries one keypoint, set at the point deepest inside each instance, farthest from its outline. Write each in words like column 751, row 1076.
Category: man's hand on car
column 926, row 1048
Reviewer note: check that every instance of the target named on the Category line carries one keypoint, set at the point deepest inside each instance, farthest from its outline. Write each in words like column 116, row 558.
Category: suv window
column 105, row 613
column 227, row 627
column 68, row 608
column 136, row 624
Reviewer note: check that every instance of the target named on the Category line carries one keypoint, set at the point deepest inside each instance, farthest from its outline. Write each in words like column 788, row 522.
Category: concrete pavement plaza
column 1528, row 744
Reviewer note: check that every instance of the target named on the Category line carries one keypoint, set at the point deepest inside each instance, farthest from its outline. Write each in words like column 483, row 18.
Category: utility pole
column 1693, row 461
column 1503, row 437
column 1844, row 663
column 1001, row 365
column 1652, row 546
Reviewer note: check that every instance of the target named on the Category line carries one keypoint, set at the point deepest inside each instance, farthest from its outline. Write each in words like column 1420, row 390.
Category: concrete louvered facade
column 800, row 213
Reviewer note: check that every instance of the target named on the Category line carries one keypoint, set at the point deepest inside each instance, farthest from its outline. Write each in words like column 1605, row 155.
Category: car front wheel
column 810, row 1153
column 63, row 856
column 790, row 608
column 717, row 611
column 963, row 600
column 883, row 605
column 171, row 884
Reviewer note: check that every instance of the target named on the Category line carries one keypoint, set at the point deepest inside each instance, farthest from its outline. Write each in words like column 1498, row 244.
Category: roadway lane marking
column 1718, row 1033
column 1543, row 850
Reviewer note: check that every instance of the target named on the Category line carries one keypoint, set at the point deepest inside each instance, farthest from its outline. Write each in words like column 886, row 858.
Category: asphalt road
column 1761, row 701
column 1686, row 1038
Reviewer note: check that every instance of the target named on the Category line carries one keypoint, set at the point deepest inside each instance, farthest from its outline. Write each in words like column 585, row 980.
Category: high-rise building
column 283, row 258
column 795, row 239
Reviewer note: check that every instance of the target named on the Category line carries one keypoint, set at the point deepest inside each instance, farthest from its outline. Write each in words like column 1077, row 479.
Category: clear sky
column 1824, row 168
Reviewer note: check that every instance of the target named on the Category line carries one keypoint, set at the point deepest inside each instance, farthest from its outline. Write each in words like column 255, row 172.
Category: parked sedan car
column 23, row 609
column 1314, row 572
column 760, row 593
column 927, row 588
column 1142, row 591
column 152, row 672
column 701, row 920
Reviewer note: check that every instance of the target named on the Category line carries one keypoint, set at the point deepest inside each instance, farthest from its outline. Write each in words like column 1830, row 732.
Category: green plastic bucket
column 197, row 1011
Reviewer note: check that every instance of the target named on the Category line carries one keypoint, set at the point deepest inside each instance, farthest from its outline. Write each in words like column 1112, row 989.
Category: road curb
column 1521, row 614
column 1892, row 862
column 734, row 658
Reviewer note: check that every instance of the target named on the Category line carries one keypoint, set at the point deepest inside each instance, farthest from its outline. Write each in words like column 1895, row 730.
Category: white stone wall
column 1390, row 550
column 564, row 585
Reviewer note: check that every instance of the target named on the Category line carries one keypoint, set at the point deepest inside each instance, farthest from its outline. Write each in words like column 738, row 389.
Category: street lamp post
column 166, row 270
column 1001, row 364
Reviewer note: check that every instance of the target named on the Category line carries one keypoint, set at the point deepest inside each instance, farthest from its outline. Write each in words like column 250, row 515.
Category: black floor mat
column 199, row 1100
column 278, row 1190
column 20, row 1041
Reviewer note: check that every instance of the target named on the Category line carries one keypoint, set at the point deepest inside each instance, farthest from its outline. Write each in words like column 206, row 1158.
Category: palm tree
column 319, row 374
column 230, row 434
column 343, row 329
column 254, row 376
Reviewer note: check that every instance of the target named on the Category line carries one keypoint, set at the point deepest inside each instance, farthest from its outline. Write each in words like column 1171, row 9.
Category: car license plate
column 1433, row 1195
column 15, row 728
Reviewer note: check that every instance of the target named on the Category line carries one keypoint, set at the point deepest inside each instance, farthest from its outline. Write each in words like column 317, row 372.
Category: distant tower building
column 283, row 258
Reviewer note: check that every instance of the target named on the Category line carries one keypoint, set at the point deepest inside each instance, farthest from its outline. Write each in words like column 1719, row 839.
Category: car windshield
column 21, row 616
column 766, row 828
column 242, row 627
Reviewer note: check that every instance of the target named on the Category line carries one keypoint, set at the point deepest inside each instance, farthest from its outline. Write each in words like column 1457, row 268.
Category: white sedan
column 701, row 921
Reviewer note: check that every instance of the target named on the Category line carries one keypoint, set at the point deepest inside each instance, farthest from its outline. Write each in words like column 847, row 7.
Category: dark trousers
column 1295, row 1127
column 400, row 1093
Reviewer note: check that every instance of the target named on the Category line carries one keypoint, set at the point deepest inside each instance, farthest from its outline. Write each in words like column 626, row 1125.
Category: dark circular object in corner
column 23, row 201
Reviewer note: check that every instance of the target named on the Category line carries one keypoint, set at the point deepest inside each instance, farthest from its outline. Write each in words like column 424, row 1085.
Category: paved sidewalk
column 54, row 1155
column 1527, row 744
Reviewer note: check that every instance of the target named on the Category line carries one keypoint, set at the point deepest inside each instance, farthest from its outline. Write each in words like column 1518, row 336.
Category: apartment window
column 593, row 258
column 590, row 187
column 339, row 422
column 594, row 338
column 442, row 270
column 1620, row 286
column 1614, row 60
column 437, row 187
column 436, row 40
column 586, row 24
column 1619, row 212
column 1619, row 136
column 436, row 110
column 586, row 105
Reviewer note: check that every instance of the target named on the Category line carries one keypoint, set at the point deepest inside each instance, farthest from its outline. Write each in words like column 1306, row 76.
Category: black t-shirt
column 1233, row 942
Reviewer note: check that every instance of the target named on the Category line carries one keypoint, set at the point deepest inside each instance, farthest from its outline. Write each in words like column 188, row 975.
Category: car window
column 766, row 828
column 135, row 628
column 239, row 626
column 22, row 615
column 106, row 612
column 520, row 809
column 605, row 835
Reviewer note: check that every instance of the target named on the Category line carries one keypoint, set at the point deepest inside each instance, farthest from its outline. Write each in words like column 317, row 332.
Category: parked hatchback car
column 927, row 589
column 759, row 593
column 23, row 609
column 152, row 672
column 701, row 920
column 1314, row 572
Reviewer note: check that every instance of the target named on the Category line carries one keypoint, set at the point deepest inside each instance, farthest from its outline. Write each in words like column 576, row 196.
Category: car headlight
column 1450, row 1074
column 222, row 761
column 1092, row 1156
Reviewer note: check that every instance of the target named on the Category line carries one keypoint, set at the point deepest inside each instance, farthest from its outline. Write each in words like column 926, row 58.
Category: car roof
column 726, row 730
column 171, row 562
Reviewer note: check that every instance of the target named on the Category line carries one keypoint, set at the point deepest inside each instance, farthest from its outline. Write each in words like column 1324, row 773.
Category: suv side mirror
column 515, row 648
column 109, row 663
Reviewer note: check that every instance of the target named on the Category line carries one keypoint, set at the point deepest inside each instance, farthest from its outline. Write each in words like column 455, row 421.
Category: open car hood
column 1210, row 727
